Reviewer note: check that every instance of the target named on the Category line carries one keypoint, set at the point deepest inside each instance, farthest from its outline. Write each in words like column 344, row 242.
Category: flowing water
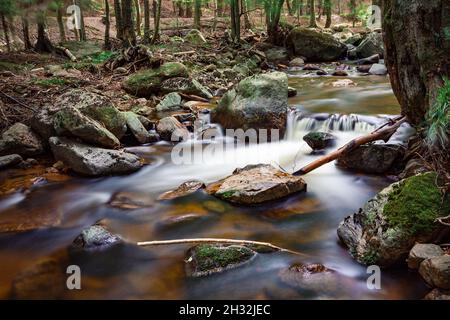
column 304, row 222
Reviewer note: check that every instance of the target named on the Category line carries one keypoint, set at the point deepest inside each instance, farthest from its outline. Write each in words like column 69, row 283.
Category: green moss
column 415, row 203
column 227, row 194
column 51, row 82
column 210, row 257
column 370, row 257
column 10, row 66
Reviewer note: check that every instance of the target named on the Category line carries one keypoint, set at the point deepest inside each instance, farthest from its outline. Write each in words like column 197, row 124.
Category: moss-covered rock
column 195, row 36
column 20, row 139
column 315, row 46
column 207, row 259
column 387, row 227
column 147, row 82
column 319, row 140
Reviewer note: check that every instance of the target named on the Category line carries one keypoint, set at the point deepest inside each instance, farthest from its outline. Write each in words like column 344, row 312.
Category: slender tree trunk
column 43, row 43
column 180, row 9
column 273, row 14
column 352, row 5
column 59, row 18
column 320, row 5
column 82, row 27
column 5, row 32
column 328, row 13
column 301, row 7
column 312, row 17
column 235, row 21
column 137, row 7
column 119, row 22
column 197, row 13
column 339, row 6
column 146, row 21
column 188, row 10
column 107, row 26
column 26, row 33
column 289, row 7
column 417, row 46
column 244, row 12
column 129, row 36
column 157, row 21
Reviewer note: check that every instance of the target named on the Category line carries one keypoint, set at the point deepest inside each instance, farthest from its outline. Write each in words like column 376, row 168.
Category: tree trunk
column 417, row 46
column 328, row 12
column 247, row 23
column 146, row 21
column 273, row 14
column 137, row 7
column 197, row 13
column 119, row 22
column 180, row 9
column 26, row 33
column 59, row 18
column 6, row 32
column 320, row 5
column 82, row 27
column 157, row 21
column 129, row 36
column 352, row 5
column 235, row 21
column 107, row 26
column 301, row 7
column 188, row 10
column 43, row 43
column 220, row 8
column 312, row 17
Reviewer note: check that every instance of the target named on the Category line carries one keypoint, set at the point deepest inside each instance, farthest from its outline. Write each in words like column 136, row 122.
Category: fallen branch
column 183, row 52
column 67, row 53
column 193, row 97
column 445, row 223
column 217, row 240
column 17, row 101
column 382, row 133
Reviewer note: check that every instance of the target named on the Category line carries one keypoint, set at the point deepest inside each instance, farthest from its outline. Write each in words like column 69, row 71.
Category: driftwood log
column 382, row 133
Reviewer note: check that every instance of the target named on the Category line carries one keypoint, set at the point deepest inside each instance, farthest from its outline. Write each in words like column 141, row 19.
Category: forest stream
column 304, row 222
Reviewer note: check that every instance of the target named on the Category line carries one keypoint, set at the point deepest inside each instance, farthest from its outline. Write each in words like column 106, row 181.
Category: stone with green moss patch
column 207, row 259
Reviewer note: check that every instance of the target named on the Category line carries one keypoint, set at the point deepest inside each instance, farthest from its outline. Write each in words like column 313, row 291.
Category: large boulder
column 170, row 129
column 371, row 45
column 372, row 158
column 277, row 55
column 256, row 184
column 92, row 105
column 71, row 122
column 257, row 102
column 93, row 161
column 20, row 139
column 148, row 82
column 421, row 252
column 315, row 46
column 387, row 227
column 436, row 271
column 10, row 160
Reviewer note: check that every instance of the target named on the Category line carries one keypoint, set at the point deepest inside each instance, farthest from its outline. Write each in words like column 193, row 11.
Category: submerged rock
column 319, row 140
column 387, row 227
column 94, row 238
column 314, row 277
column 130, row 200
column 296, row 63
column 207, row 259
column 343, row 83
column 256, row 184
column 178, row 221
column 20, row 139
column 182, row 190
column 369, row 60
column 421, row 252
column 93, row 161
column 315, row 46
column 372, row 158
column 292, row 92
column 170, row 129
column 10, row 161
column 371, row 45
column 436, row 271
column 257, row 102
column 147, row 82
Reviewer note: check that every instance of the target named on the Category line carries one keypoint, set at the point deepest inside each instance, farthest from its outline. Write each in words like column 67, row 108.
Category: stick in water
column 218, row 240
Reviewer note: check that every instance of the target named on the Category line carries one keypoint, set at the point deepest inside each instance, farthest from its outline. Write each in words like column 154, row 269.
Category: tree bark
column 327, row 5
column 26, row 33
column 119, row 22
column 137, row 7
column 244, row 12
column 129, row 36
column 157, row 13
column 59, row 18
column 417, row 44
column 107, row 44
column 146, row 21
column 197, row 13
column 235, row 21
column 43, row 43
column 82, row 30
column 312, row 17
column 6, row 32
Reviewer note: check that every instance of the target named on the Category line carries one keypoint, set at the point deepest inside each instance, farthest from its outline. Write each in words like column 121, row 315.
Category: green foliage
column 101, row 57
column 438, row 118
column 51, row 82
column 362, row 13
column 415, row 204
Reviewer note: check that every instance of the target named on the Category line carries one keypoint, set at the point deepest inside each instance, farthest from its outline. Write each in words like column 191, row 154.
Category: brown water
column 304, row 222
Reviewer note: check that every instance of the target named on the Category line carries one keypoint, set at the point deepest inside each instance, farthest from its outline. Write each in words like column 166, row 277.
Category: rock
column 369, row 60
column 319, row 140
column 257, row 102
column 315, row 46
column 130, row 200
column 195, row 36
column 10, row 161
column 171, row 101
column 186, row 86
column 372, row 158
column 340, row 73
column 297, row 63
column 277, row 55
column 378, row 69
column 421, row 252
column 20, row 139
column 44, row 280
column 170, row 129
column 413, row 167
column 387, row 227
column 437, row 294
column 182, row 190
column 322, row 73
column 364, row 68
column 136, row 127
column 211, row 68
column 90, row 104
column 314, row 277
column 339, row 27
column 95, row 237
column 207, row 259
column 173, row 222
column 256, row 184
column 343, row 83
column 311, row 67
column 146, row 122
column 292, row 92
column 147, row 82
column 371, row 45
column 91, row 160
column 354, row 40
column 436, row 271
column 71, row 122
column 242, row 70
column 352, row 54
